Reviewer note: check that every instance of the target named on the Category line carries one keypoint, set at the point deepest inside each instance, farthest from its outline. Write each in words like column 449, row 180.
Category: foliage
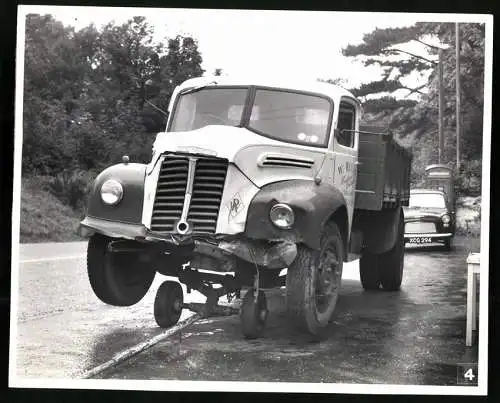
column 417, row 123
column 386, row 103
column 71, row 187
column 468, row 179
column 88, row 94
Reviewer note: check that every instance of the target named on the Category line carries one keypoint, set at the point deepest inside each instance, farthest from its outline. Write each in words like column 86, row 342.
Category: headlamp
column 111, row 192
column 446, row 219
column 282, row 216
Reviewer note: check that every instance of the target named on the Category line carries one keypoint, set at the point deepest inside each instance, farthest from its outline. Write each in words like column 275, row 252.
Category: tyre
column 313, row 282
column 391, row 263
column 168, row 304
column 369, row 271
column 447, row 244
column 253, row 314
column 118, row 279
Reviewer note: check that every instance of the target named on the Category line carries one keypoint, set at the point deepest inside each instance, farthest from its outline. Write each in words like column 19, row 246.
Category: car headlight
column 446, row 219
column 282, row 216
column 111, row 192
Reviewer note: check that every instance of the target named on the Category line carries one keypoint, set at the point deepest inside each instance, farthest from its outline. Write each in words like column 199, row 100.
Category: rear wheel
column 391, row 263
column 118, row 279
column 313, row 282
column 369, row 271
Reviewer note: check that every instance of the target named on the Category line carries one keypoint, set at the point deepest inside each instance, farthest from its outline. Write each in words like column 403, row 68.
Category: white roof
column 330, row 90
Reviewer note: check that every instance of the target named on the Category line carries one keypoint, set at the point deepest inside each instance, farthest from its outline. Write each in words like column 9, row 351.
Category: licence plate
column 420, row 240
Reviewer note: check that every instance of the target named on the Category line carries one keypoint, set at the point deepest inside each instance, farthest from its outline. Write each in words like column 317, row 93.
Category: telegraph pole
column 441, row 108
column 457, row 52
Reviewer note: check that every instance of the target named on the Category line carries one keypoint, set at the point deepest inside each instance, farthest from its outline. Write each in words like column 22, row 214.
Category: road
column 415, row 336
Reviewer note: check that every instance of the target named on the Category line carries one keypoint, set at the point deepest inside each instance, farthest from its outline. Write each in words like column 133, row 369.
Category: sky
column 272, row 43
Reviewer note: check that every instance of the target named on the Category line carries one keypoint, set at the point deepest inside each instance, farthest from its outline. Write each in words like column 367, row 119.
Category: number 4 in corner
column 467, row 374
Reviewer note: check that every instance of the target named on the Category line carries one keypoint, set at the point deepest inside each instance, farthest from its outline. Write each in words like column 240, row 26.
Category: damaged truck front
column 250, row 179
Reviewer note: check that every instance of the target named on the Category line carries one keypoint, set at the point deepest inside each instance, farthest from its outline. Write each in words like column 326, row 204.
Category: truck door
column 345, row 147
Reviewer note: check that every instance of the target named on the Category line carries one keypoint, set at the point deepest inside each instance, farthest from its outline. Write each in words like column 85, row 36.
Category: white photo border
column 290, row 387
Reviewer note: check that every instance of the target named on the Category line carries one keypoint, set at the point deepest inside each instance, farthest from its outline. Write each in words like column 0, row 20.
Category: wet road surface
column 412, row 337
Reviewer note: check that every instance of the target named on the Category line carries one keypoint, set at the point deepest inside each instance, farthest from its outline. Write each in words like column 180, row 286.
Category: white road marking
column 48, row 259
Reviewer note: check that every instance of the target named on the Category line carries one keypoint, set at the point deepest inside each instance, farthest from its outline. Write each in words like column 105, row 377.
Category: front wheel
column 118, row 279
column 313, row 282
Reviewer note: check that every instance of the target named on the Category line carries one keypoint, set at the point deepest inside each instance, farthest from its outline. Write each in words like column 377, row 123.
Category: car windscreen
column 427, row 200
column 209, row 106
column 290, row 116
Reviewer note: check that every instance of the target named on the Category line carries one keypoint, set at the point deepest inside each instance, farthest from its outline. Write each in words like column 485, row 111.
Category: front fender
column 129, row 210
column 313, row 205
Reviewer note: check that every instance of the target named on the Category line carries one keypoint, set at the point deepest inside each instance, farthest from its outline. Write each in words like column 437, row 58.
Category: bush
column 468, row 179
column 71, row 187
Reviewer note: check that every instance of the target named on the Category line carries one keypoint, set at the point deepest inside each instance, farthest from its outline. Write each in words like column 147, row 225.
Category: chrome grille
column 170, row 193
column 420, row 227
column 208, row 185
column 206, row 194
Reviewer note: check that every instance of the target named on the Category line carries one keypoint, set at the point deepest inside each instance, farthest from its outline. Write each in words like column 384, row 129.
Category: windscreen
column 291, row 117
column 209, row 106
column 427, row 200
column 283, row 115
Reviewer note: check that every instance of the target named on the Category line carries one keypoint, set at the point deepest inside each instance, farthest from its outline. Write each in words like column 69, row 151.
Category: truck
column 255, row 184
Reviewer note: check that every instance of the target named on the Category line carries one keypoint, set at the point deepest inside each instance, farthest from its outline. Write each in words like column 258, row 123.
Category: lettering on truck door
column 346, row 154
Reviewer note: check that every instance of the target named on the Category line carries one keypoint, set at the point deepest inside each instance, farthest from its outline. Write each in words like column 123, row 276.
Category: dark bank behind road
column 414, row 337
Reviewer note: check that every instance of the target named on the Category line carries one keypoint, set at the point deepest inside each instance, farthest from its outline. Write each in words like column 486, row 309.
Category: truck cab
column 248, row 179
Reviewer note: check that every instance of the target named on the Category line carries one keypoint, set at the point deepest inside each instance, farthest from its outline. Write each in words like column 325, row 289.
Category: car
column 429, row 218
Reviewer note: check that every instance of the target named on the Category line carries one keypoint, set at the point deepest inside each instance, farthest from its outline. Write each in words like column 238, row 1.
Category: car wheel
column 447, row 244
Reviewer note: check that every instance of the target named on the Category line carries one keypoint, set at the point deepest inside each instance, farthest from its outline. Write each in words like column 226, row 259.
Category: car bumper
column 116, row 229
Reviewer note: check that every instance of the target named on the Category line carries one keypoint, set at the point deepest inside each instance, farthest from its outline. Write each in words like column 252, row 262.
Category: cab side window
column 346, row 125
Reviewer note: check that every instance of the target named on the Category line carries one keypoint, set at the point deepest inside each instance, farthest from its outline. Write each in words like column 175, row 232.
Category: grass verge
column 44, row 218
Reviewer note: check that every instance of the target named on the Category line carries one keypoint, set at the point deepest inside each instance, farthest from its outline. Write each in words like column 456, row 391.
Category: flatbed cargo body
column 383, row 171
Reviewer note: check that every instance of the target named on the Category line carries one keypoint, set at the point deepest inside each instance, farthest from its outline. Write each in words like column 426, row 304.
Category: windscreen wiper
column 190, row 90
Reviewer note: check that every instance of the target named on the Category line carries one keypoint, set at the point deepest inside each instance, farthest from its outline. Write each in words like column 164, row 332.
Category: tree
column 52, row 84
column 88, row 94
column 378, row 47
column 418, row 123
